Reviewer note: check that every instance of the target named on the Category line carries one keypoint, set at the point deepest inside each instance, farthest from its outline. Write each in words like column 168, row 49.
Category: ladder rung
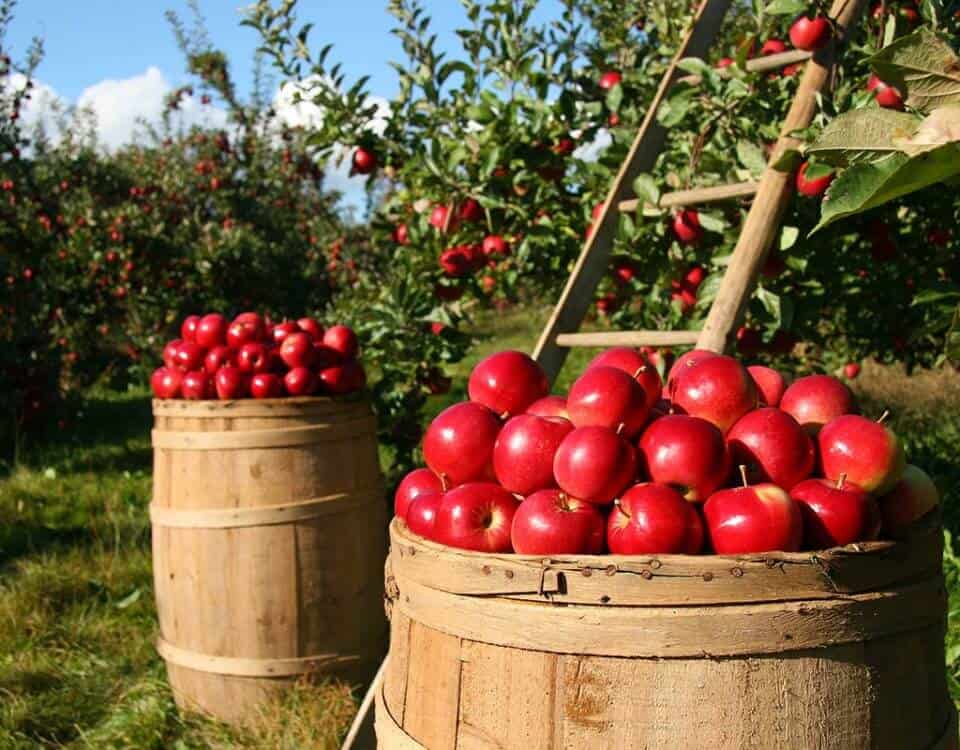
column 698, row 196
column 760, row 64
column 779, row 60
column 628, row 338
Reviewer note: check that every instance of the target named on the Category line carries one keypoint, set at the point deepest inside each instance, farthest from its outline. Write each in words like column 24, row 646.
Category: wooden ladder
column 770, row 198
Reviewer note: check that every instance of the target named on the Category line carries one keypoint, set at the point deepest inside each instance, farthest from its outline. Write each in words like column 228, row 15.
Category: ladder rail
column 590, row 266
column 773, row 194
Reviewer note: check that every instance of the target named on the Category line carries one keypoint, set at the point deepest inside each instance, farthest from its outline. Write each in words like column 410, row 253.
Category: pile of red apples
column 722, row 459
column 253, row 357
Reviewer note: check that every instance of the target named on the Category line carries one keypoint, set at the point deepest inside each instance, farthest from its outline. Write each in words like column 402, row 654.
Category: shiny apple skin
column 864, row 452
column 757, row 518
column 770, row 384
column 549, row 406
column 909, row 500
column 686, row 453
column 422, row 514
column 718, row 389
column 550, row 522
column 835, row 514
column 524, row 450
column 651, row 519
column 594, row 464
column 686, row 361
column 636, row 366
column 458, row 445
column 815, row 400
column 772, row 446
column 608, row 397
column 476, row 516
column 507, row 383
column 417, row 482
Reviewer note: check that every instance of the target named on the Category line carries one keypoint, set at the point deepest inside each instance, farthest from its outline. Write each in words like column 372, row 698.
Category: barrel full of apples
column 722, row 458
column 726, row 560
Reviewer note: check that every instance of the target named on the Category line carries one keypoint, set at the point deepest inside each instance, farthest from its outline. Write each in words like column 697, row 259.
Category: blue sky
column 119, row 57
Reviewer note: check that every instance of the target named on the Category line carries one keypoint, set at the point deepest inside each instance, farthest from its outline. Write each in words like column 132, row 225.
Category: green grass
column 77, row 619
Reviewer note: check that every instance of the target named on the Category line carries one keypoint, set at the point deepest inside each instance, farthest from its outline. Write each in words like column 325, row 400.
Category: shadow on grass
column 19, row 538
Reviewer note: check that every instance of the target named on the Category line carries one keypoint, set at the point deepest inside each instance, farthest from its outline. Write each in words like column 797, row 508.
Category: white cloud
column 591, row 151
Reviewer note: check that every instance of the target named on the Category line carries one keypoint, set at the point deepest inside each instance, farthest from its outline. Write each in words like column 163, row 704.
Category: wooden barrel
column 835, row 650
column 269, row 537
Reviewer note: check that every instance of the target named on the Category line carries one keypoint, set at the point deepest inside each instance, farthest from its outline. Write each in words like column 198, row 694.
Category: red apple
column 417, row 482
column 240, row 333
column 815, row 400
column 549, row 406
column 770, row 384
column 634, row 364
column 254, row 358
column 297, row 350
column 401, row 234
column 197, row 386
column 458, row 445
column 718, row 389
column 687, row 453
column 772, row 446
column 851, row 370
column 255, row 322
column 189, row 356
column 166, row 382
column 507, row 382
column 300, row 381
column 188, row 329
column 343, row 340
column 810, row 33
column 910, row 499
column 524, row 451
column 609, row 79
column 550, row 522
column 347, row 377
column 886, row 95
column 230, row 383
column 170, row 353
column 752, row 519
column 422, row 513
column 281, row 330
column 594, row 464
column 476, row 516
column 608, row 397
column 364, row 161
column 266, row 385
column 686, row 361
column 835, row 513
column 865, row 452
column 812, row 188
column 311, row 326
column 471, row 210
column 495, row 245
column 652, row 519
column 772, row 47
column 211, row 331
column 219, row 356
column 686, row 226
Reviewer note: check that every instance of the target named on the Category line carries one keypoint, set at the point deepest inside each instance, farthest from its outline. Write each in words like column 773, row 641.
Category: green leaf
column 865, row 186
column 786, row 7
column 788, row 161
column 695, row 66
column 479, row 113
column 922, row 65
column 751, row 156
column 645, row 188
column 614, row 98
column 788, row 237
column 772, row 303
column 712, row 222
column 863, row 135
column 940, row 127
column 675, row 108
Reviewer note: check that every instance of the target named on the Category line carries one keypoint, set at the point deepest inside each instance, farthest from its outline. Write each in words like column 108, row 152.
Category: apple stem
column 444, row 482
column 882, row 417
column 562, row 497
column 619, row 507
column 640, row 369
column 621, row 427
column 505, row 416
column 841, row 480
column 743, row 474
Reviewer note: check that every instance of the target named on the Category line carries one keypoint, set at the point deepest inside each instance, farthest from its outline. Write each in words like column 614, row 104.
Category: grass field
column 77, row 621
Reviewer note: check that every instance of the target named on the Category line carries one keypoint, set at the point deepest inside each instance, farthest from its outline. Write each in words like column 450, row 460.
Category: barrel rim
column 215, row 408
column 670, row 580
